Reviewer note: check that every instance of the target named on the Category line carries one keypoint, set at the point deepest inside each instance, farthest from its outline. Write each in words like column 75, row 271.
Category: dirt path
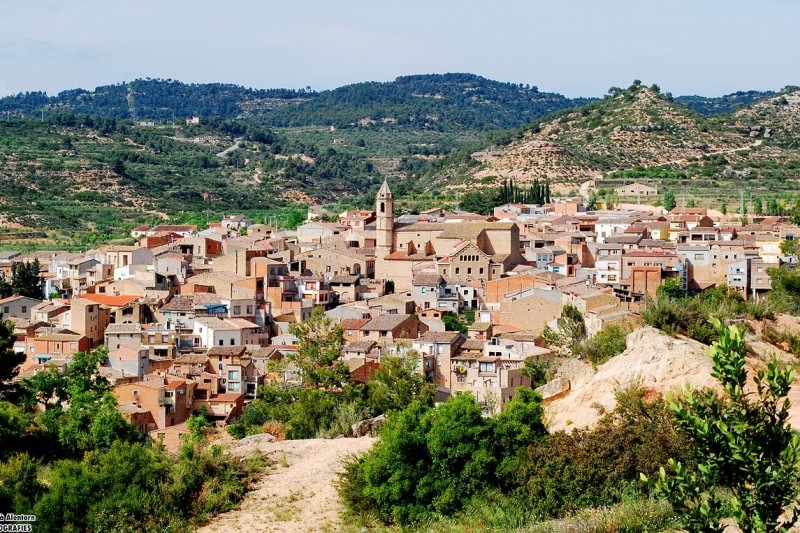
column 297, row 493
column 231, row 148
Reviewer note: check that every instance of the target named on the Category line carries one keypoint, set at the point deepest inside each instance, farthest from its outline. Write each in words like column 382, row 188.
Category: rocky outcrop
column 659, row 362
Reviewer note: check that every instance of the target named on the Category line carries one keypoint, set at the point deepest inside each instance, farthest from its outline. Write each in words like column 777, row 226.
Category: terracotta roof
column 241, row 323
column 109, row 299
column 353, row 323
column 227, row 397
column 60, row 337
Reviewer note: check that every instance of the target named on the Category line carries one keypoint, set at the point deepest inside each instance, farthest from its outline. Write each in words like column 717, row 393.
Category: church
column 469, row 252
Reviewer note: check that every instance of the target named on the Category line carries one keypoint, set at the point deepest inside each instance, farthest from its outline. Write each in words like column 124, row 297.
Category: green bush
column 598, row 467
column 431, row 461
column 606, row 344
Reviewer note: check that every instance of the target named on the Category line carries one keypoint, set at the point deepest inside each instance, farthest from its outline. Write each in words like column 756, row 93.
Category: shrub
column 606, row 344
column 432, row 461
column 598, row 467
column 745, row 445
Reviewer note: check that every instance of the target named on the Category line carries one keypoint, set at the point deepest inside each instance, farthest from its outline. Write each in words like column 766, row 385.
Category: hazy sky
column 575, row 47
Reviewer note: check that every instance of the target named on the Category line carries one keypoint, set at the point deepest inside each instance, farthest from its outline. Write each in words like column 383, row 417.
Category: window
column 5, row 310
column 232, row 343
column 221, row 342
column 237, row 309
column 480, row 271
column 699, row 257
column 469, row 270
column 24, row 308
column 457, row 271
column 233, row 387
column 233, row 375
column 486, row 367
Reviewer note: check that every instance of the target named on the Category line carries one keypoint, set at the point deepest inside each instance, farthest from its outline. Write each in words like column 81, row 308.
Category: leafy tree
column 19, row 484
column 516, row 428
column 669, row 201
column 313, row 412
column 538, row 370
column 9, row 359
column 744, row 442
column 319, row 348
column 199, row 424
column 671, row 288
column 566, row 340
column 791, row 248
column 453, row 323
column 396, row 384
column 723, row 208
column 758, row 206
column 25, row 280
column 591, row 202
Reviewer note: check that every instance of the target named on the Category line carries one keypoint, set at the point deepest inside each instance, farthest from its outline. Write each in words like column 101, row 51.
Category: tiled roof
column 226, row 351
column 353, row 323
column 359, row 346
column 384, row 322
column 110, row 300
column 440, row 336
column 179, row 303
column 124, row 328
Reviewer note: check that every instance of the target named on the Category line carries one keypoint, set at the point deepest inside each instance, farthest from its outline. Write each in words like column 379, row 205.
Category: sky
column 573, row 47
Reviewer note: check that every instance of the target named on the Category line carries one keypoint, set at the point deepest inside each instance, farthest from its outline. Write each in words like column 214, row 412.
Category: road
column 231, row 148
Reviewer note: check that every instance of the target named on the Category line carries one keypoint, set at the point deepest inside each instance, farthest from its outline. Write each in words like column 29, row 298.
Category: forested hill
column 436, row 100
column 155, row 99
column 464, row 101
column 723, row 104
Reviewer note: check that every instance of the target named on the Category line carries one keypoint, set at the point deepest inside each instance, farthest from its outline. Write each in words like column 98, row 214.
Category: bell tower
column 384, row 224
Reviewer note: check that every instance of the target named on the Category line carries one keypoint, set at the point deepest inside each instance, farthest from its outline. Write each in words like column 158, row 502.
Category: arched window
column 383, row 207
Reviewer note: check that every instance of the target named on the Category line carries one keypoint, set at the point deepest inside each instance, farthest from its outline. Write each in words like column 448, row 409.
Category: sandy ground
column 297, row 493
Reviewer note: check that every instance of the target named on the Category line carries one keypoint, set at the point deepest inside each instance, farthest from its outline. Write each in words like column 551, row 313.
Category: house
column 212, row 331
column 57, row 345
column 168, row 399
column 236, row 222
column 236, row 368
column 636, row 189
column 387, row 329
column 18, row 306
column 436, row 349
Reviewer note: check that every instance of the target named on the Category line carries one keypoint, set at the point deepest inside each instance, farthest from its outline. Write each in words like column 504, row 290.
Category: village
column 193, row 320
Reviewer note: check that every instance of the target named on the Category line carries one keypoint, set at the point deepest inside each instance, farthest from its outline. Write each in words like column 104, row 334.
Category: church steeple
column 384, row 225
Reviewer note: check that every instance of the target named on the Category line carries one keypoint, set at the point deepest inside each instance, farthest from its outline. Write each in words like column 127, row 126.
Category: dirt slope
column 662, row 363
column 297, row 494
column 659, row 361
